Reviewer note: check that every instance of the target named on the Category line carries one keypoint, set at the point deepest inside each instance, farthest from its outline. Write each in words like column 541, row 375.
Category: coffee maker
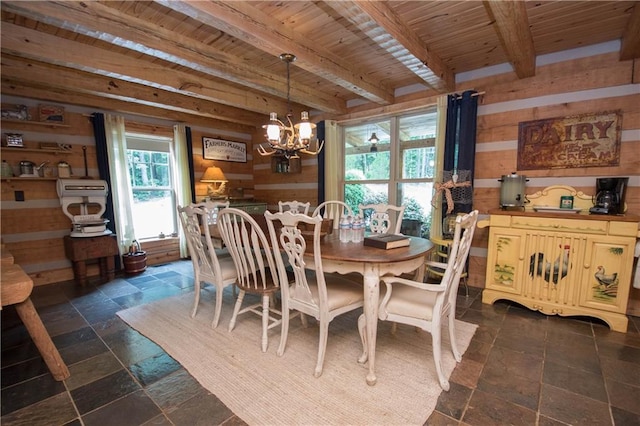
column 609, row 198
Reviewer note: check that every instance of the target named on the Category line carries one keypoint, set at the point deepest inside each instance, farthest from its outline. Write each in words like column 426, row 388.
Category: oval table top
column 332, row 248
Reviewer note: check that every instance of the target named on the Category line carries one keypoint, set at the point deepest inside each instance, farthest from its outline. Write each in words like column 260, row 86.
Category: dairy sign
column 588, row 140
column 220, row 149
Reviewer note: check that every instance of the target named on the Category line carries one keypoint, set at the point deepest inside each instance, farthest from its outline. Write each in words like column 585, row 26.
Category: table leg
column 80, row 272
column 111, row 268
column 371, row 302
column 33, row 323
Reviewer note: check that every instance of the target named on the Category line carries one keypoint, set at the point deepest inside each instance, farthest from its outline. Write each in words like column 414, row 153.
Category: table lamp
column 214, row 175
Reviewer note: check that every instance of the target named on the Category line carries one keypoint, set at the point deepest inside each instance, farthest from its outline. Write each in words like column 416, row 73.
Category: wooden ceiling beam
column 382, row 25
column 630, row 48
column 42, row 47
column 29, row 71
column 115, row 27
column 52, row 94
column 512, row 25
column 249, row 24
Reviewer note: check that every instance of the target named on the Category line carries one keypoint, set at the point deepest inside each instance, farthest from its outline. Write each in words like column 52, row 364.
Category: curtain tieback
column 446, row 188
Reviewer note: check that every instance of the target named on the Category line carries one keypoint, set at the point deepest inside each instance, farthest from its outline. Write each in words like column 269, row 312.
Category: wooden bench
column 15, row 289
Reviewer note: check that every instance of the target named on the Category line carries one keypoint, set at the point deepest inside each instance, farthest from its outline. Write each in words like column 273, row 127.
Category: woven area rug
column 264, row 389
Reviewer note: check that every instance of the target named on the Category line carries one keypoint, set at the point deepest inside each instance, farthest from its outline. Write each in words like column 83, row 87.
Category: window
column 150, row 161
column 397, row 169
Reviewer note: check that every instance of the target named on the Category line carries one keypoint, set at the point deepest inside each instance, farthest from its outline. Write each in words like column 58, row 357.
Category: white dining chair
column 294, row 206
column 427, row 306
column 256, row 269
column 382, row 218
column 312, row 292
column 333, row 210
column 212, row 208
column 207, row 266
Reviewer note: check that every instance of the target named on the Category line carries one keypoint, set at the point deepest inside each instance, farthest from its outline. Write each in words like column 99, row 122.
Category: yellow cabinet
column 562, row 265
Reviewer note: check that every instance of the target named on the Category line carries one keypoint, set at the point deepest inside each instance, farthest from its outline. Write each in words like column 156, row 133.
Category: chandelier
column 288, row 139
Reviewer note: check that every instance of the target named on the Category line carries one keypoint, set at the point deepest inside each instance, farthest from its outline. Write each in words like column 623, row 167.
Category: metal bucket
column 512, row 192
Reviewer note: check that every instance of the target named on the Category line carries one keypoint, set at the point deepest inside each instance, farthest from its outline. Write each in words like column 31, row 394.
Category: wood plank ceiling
column 217, row 63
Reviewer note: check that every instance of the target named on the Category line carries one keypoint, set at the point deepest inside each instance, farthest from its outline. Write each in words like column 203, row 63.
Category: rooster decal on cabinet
column 607, row 286
column 552, row 273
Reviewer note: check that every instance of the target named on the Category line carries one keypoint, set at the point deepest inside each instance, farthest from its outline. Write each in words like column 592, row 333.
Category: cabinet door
column 504, row 262
column 606, row 275
column 553, row 265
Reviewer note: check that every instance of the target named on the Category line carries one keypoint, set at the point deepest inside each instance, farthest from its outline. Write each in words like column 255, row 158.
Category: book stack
column 387, row 241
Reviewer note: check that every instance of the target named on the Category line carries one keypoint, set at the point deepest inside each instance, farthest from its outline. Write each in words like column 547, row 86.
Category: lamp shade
column 213, row 174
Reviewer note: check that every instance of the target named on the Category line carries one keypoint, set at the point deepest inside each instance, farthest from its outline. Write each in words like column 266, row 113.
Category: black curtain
column 320, row 135
column 460, row 149
column 100, row 135
column 192, row 179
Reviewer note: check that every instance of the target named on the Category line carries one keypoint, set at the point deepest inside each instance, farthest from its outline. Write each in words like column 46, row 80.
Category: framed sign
column 220, row 149
column 587, row 140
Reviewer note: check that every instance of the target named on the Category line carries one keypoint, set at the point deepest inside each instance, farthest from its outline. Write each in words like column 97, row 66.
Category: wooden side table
column 80, row 249
column 15, row 289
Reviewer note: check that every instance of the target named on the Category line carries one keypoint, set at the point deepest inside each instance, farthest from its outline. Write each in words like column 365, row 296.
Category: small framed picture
column 51, row 113
column 223, row 150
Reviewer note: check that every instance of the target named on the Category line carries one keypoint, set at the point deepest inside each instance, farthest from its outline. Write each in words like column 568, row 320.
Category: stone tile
column 159, row 420
column 23, row 371
column 522, row 340
column 103, row 391
column 26, row 393
column 516, row 389
column 201, row 410
column 134, row 409
column 604, row 334
column 148, row 296
column 56, row 410
column 622, row 417
column 235, row 421
column 81, row 335
column 624, row 396
column 467, row 373
column 454, row 402
column 575, row 380
column 131, row 347
column 110, row 326
column 20, row 353
column 477, row 351
column 154, row 368
column 570, row 325
column 618, row 351
column 81, row 351
column 620, row 371
column 485, row 409
column 574, row 350
column 546, row 421
column 572, row 408
column 118, row 287
column 174, row 389
column 507, row 363
column 435, row 419
column 92, row 369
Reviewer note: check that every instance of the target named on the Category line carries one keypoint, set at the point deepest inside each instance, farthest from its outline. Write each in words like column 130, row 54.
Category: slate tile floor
column 522, row 368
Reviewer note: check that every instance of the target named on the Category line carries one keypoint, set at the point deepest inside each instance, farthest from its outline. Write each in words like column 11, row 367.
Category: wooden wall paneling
column 32, row 252
column 29, row 220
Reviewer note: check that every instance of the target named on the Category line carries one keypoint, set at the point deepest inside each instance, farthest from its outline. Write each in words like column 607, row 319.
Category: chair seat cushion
column 227, row 267
column 341, row 291
column 411, row 302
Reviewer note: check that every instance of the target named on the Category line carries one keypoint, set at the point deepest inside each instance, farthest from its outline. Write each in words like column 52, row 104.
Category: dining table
column 372, row 263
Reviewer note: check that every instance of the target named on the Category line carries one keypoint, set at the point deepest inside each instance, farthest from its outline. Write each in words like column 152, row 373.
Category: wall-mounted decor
column 587, row 140
column 220, row 149
column 51, row 113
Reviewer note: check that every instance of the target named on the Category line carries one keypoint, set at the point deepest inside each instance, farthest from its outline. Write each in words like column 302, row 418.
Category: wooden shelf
column 37, row 123
column 8, row 179
column 42, row 151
